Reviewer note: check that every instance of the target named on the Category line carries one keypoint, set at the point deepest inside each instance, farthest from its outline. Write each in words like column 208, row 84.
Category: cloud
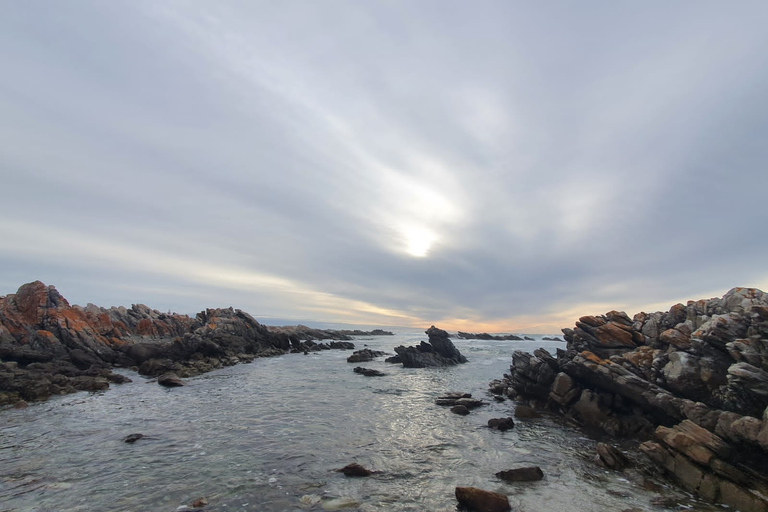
column 500, row 165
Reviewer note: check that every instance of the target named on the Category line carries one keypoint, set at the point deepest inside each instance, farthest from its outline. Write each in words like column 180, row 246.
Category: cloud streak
column 502, row 165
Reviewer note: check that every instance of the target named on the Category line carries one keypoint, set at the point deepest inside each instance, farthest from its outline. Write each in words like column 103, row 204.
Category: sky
column 496, row 165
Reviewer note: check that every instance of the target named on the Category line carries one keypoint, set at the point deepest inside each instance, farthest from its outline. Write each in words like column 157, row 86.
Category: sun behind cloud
column 418, row 241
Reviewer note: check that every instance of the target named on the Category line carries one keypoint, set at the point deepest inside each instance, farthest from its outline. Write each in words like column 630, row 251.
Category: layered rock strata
column 691, row 382
column 438, row 351
column 49, row 347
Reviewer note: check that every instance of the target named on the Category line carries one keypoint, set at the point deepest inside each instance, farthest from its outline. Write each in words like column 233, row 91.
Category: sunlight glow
column 418, row 241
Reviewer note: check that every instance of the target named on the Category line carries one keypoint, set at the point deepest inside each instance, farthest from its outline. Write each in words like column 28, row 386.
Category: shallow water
column 267, row 436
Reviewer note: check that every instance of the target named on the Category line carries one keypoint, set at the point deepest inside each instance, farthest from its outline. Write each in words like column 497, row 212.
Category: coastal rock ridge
column 691, row 383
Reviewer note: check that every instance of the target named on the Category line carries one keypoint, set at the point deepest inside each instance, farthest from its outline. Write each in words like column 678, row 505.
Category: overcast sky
column 502, row 166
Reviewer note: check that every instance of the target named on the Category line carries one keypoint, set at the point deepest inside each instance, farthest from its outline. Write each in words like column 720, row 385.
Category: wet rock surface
column 368, row 372
column 364, row 355
column 479, row 500
column 355, row 469
column 526, row 474
column 438, row 351
column 690, row 383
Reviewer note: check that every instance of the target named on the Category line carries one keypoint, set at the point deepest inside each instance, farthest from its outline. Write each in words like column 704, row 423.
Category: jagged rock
column 132, row 438
column 527, row 474
column 364, row 355
column 610, row 457
column 480, row 500
column 439, row 351
column 696, row 375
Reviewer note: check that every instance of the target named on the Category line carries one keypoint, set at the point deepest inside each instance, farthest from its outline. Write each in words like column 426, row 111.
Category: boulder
column 368, row 372
column 526, row 474
column 480, row 500
column 170, row 380
column 501, row 424
column 460, row 410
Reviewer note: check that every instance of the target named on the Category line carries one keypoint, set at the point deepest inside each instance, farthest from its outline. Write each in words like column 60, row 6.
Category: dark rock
column 354, row 469
column 695, row 376
column 501, row 424
column 364, row 355
column 132, row 438
column 480, row 500
column 169, row 380
column 526, row 412
column 21, row 404
column 368, row 372
column 461, row 410
column 439, row 351
column 610, row 457
column 341, row 345
column 117, row 378
column 469, row 403
column 528, row 474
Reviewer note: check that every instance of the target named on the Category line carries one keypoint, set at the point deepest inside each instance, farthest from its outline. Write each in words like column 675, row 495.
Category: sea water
column 270, row 435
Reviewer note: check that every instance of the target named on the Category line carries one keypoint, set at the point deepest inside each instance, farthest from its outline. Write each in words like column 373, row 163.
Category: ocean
column 270, row 435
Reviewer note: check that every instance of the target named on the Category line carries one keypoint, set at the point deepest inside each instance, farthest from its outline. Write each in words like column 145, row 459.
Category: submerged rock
column 610, row 457
column 354, row 469
column 480, row 500
column 132, row 438
column 502, row 424
column 368, row 372
column 461, row 410
column 527, row 474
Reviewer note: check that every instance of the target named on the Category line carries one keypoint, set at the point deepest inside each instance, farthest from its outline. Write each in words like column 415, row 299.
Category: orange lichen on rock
column 590, row 356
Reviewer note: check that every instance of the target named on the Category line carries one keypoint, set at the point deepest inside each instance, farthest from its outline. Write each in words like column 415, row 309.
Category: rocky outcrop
column 489, row 337
column 438, row 351
column 364, row 355
column 691, row 382
column 49, row 347
column 368, row 372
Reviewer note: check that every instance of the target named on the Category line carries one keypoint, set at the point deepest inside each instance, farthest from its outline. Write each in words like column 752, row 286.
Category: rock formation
column 438, row 351
column 691, row 382
column 486, row 336
column 49, row 347
column 364, row 355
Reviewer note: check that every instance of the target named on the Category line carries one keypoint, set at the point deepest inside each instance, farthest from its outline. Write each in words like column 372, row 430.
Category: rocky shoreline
column 49, row 347
column 689, row 385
